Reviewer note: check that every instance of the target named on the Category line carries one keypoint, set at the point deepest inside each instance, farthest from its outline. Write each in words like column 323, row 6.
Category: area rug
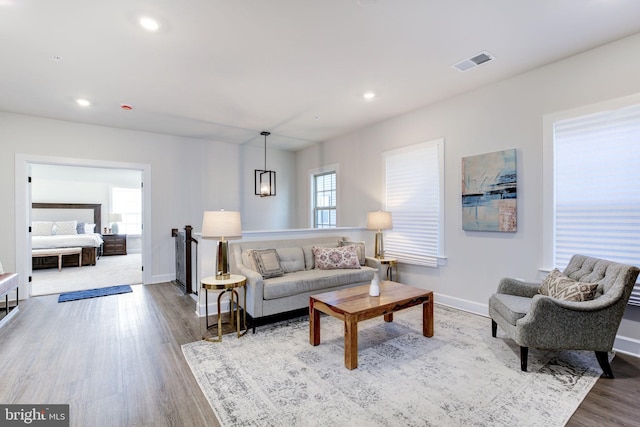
column 460, row 376
column 93, row 293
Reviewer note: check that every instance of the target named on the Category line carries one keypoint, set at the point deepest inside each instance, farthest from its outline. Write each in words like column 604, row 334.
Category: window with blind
column 128, row 203
column 324, row 196
column 596, row 197
column 414, row 180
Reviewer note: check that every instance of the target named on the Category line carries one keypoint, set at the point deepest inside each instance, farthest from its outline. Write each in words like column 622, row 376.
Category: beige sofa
column 291, row 291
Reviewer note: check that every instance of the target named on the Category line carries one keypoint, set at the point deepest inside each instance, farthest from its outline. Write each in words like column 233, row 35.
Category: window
column 596, row 197
column 324, row 200
column 128, row 203
column 414, row 179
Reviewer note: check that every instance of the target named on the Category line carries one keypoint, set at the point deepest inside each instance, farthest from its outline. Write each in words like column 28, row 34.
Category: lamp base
column 379, row 247
column 222, row 270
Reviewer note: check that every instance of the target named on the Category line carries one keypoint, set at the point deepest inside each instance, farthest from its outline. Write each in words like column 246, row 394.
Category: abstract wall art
column 489, row 192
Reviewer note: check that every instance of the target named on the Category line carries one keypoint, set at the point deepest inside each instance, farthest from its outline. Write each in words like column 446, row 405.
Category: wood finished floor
column 117, row 361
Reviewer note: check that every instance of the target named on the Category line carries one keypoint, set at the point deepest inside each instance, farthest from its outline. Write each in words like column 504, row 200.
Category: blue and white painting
column 489, row 192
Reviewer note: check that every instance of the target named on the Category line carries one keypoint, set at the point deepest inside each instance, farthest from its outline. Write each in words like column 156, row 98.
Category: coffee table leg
column 314, row 325
column 427, row 318
column 350, row 342
column 388, row 317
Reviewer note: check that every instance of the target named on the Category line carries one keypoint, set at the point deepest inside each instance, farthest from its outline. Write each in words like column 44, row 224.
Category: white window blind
column 597, row 197
column 128, row 203
column 414, row 196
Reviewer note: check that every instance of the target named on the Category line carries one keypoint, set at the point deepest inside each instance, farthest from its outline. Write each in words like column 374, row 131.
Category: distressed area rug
column 460, row 376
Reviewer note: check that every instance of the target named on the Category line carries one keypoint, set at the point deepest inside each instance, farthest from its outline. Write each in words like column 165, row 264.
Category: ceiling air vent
column 473, row 62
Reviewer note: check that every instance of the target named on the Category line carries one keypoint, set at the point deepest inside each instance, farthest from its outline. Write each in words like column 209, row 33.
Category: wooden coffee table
column 353, row 305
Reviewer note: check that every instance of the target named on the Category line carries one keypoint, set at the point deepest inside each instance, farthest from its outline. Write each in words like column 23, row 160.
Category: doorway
column 75, row 174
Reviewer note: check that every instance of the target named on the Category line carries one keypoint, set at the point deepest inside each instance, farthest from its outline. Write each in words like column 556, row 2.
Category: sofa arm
column 518, row 287
column 254, row 289
column 372, row 262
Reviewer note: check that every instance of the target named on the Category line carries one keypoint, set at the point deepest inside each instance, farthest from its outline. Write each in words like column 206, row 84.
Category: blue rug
column 93, row 293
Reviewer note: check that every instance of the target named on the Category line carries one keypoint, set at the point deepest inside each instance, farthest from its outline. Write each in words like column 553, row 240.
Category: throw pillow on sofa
column 336, row 258
column 359, row 248
column 557, row 285
column 268, row 263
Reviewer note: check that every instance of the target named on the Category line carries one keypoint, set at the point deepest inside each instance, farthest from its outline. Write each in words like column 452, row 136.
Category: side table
column 391, row 263
column 230, row 286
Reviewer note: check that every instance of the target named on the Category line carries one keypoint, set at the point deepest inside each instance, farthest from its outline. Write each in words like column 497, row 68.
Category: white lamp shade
column 379, row 220
column 115, row 217
column 221, row 225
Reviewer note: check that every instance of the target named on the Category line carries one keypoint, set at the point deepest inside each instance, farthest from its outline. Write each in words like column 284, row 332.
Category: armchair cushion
column 511, row 307
column 557, row 285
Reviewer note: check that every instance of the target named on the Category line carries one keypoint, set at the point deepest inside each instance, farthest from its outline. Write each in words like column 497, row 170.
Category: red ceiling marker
column 126, row 107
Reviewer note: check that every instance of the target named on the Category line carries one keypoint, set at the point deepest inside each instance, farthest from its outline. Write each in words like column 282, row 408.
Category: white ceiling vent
column 473, row 62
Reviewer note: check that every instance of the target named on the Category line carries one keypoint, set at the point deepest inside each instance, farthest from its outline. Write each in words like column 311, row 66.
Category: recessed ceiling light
column 83, row 102
column 149, row 24
column 369, row 95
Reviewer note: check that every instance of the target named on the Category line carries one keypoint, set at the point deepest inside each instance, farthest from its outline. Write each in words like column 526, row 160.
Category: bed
column 56, row 227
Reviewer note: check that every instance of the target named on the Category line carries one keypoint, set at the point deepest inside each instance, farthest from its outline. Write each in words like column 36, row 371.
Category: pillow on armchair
column 559, row 286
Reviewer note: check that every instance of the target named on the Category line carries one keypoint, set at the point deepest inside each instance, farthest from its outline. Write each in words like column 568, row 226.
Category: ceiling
column 224, row 70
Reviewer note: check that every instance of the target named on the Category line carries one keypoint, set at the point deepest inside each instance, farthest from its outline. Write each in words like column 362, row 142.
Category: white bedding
column 66, row 241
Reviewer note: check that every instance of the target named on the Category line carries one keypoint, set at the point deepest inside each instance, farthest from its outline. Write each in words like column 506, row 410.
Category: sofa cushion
column 314, row 280
column 248, row 260
column 557, row 285
column 291, row 259
column 360, row 248
column 510, row 307
column 336, row 258
column 268, row 263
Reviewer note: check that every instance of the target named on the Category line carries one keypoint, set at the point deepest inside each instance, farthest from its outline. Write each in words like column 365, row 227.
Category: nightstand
column 114, row 244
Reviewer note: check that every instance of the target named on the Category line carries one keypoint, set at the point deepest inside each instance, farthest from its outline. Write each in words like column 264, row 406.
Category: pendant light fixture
column 265, row 180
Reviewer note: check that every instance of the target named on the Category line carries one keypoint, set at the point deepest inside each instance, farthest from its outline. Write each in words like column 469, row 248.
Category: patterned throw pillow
column 359, row 248
column 335, row 258
column 557, row 285
column 268, row 263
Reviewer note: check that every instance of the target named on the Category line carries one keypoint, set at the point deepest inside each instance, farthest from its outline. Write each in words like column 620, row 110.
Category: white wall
column 501, row 116
column 187, row 176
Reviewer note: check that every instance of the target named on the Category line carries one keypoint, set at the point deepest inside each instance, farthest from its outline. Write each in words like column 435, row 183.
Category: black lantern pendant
column 265, row 180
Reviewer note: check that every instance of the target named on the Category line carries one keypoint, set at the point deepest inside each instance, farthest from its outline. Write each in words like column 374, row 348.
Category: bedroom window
column 128, row 203
column 596, row 202
column 324, row 200
column 414, row 180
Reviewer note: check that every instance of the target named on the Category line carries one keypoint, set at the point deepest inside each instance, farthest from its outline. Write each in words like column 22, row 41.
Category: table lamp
column 115, row 218
column 222, row 225
column 379, row 220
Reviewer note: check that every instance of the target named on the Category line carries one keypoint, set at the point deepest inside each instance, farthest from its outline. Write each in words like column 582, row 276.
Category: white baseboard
column 622, row 344
column 8, row 317
column 213, row 305
column 161, row 278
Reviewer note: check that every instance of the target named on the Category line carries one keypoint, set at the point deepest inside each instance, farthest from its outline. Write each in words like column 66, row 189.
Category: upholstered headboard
column 69, row 211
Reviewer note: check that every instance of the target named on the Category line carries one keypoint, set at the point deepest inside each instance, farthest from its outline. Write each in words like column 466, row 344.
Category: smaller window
column 324, row 200
column 128, row 203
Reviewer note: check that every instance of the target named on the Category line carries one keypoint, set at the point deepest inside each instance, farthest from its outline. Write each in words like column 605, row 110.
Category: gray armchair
column 540, row 321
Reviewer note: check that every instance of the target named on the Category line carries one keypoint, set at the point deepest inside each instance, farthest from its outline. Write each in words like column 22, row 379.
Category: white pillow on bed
column 41, row 228
column 89, row 228
column 66, row 228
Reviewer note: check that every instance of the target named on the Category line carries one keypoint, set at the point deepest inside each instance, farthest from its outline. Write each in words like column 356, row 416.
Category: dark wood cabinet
column 114, row 244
